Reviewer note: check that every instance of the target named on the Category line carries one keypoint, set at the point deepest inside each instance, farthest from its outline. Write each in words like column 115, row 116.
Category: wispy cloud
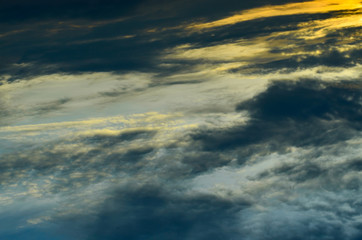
column 310, row 7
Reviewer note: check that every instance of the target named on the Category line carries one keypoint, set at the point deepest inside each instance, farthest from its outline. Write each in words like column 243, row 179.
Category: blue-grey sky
column 190, row 120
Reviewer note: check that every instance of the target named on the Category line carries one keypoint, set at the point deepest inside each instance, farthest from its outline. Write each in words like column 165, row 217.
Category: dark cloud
column 65, row 42
column 51, row 106
column 328, row 57
column 259, row 27
column 106, row 141
column 302, row 113
column 305, row 100
column 151, row 212
column 20, row 10
column 202, row 161
column 329, row 54
column 162, row 211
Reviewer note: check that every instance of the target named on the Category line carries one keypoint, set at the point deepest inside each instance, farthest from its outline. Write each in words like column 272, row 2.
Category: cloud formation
column 151, row 178
column 181, row 120
column 287, row 9
column 297, row 114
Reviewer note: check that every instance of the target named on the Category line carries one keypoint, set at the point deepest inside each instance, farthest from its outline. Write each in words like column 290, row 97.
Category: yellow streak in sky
column 311, row 7
column 133, row 120
column 258, row 50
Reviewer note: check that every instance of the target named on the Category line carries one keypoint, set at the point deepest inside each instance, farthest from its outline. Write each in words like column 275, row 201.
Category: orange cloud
column 311, row 7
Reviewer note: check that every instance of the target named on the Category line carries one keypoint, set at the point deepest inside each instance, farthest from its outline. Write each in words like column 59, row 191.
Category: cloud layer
column 180, row 120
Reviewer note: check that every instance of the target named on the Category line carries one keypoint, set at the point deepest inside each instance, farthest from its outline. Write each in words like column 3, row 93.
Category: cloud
column 111, row 140
column 295, row 194
column 150, row 211
column 180, row 120
column 52, row 106
column 292, row 164
column 140, row 43
column 81, row 153
column 61, row 93
column 15, row 11
column 3, row 112
column 287, row 9
column 20, row 10
column 260, row 47
column 302, row 113
column 303, row 100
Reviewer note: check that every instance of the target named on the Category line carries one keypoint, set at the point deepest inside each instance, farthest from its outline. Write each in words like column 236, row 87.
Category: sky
column 182, row 120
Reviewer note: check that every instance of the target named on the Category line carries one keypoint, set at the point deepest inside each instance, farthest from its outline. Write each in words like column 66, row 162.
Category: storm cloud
column 300, row 114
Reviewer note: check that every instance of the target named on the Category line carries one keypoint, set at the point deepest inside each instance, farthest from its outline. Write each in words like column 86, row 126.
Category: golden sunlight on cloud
column 222, row 52
column 135, row 120
column 323, row 73
column 320, row 28
column 233, row 55
column 317, row 6
column 260, row 49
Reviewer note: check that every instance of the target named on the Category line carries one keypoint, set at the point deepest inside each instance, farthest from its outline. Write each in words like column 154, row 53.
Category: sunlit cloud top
column 310, row 7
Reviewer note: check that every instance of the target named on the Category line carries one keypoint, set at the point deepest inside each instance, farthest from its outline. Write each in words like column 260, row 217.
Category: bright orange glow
column 317, row 6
